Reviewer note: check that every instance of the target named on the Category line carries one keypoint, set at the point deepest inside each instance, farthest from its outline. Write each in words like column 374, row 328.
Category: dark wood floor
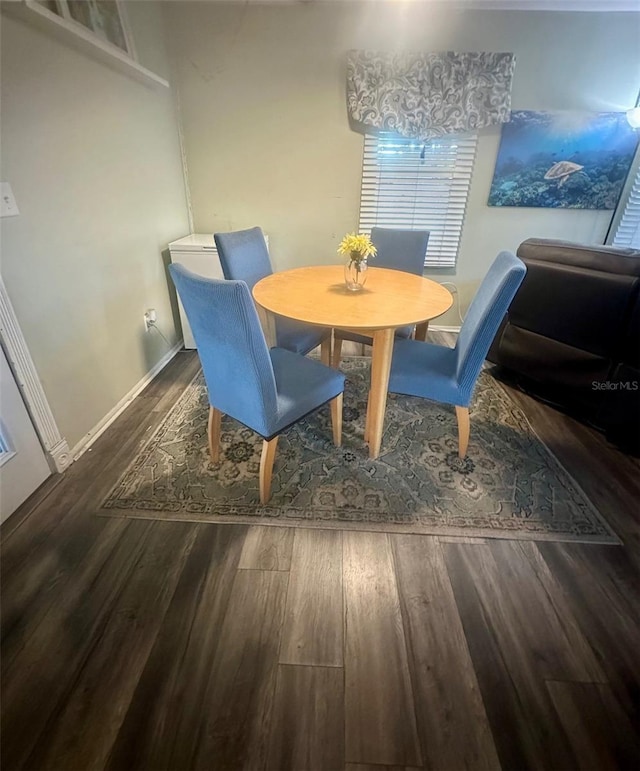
column 133, row 644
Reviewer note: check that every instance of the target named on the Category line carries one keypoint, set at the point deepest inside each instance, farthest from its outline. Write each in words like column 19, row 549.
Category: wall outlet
column 8, row 205
column 150, row 318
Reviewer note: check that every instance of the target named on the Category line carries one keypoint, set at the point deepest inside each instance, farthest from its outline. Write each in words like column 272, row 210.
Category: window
column 628, row 230
column 407, row 183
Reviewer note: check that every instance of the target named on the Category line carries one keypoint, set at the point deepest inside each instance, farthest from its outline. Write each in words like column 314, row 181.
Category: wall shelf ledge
column 77, row 37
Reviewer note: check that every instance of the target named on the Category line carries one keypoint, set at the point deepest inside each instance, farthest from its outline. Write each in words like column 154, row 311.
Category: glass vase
column 355, row 272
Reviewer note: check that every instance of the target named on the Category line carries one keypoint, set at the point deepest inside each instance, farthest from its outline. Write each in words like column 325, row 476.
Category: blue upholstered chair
column 449, row 374
column 398, row 250
column 244, row 257
column 266, row 390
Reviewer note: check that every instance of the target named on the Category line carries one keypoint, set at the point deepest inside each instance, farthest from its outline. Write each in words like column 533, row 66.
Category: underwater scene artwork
column 563, row 160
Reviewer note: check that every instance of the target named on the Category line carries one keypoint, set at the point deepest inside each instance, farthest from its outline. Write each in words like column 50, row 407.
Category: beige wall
column 94, row 161
column 262, row 92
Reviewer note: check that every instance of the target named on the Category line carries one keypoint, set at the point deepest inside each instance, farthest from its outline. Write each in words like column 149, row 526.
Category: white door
column 23, row 465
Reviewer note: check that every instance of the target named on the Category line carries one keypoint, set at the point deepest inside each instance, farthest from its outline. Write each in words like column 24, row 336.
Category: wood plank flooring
column 159, row 646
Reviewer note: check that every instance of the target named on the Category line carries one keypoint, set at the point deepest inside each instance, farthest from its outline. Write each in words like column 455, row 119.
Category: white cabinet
column 198, row 254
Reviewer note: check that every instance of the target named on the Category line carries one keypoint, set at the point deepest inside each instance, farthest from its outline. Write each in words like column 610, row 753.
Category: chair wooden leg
column 213, row 432
column 336, row 419
column 325, row 350
column 462, row 413
column 266, row 468
column 337, row 352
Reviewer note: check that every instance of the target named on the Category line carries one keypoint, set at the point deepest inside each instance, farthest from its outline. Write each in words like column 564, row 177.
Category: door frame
column 53, row 443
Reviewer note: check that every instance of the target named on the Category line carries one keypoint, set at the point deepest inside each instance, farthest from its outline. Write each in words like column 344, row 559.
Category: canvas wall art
column 563, row 160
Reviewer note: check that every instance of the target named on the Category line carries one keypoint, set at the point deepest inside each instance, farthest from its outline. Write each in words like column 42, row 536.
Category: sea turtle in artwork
column 562, row 171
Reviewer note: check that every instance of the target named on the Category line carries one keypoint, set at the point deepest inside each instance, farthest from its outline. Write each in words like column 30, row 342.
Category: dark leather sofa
column 572, row 334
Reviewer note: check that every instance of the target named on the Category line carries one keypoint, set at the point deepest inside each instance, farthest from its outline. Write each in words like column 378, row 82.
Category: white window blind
column 628, row 230
column 410, row 184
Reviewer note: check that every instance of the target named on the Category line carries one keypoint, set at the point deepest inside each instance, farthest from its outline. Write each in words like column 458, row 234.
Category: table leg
column 421, row 331
column 268, row 324
column 380, row 368
column 367, row 418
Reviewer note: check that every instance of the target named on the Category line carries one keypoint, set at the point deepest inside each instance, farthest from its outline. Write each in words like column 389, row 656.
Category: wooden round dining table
column 390, row 299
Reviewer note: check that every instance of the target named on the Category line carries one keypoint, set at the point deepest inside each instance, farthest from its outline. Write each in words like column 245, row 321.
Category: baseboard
column 90, row 437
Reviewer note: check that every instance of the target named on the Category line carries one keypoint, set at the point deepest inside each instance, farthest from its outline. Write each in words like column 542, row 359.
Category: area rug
column 508, row 486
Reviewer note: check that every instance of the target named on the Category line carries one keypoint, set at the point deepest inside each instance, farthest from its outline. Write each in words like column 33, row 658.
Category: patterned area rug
column 508, row 486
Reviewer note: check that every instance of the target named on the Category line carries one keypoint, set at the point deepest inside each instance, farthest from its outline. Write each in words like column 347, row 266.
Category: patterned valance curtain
column 427, row 95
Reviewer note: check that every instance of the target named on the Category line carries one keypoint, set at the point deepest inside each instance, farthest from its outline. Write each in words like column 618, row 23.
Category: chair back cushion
column 243, row 255
column 231, row 345
column 484, row 316
column 400, row 249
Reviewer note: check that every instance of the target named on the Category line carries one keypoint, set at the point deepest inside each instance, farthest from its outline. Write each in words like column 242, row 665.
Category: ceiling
column 550, row 5
column 520, row 5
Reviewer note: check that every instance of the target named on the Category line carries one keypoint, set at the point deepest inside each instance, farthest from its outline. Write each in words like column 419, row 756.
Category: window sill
column 84, row 41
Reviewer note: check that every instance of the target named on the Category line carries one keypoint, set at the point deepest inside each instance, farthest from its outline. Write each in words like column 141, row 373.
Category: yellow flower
column 358, row 246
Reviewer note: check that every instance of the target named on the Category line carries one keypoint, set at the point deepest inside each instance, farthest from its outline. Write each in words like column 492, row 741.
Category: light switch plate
column 8, row 205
